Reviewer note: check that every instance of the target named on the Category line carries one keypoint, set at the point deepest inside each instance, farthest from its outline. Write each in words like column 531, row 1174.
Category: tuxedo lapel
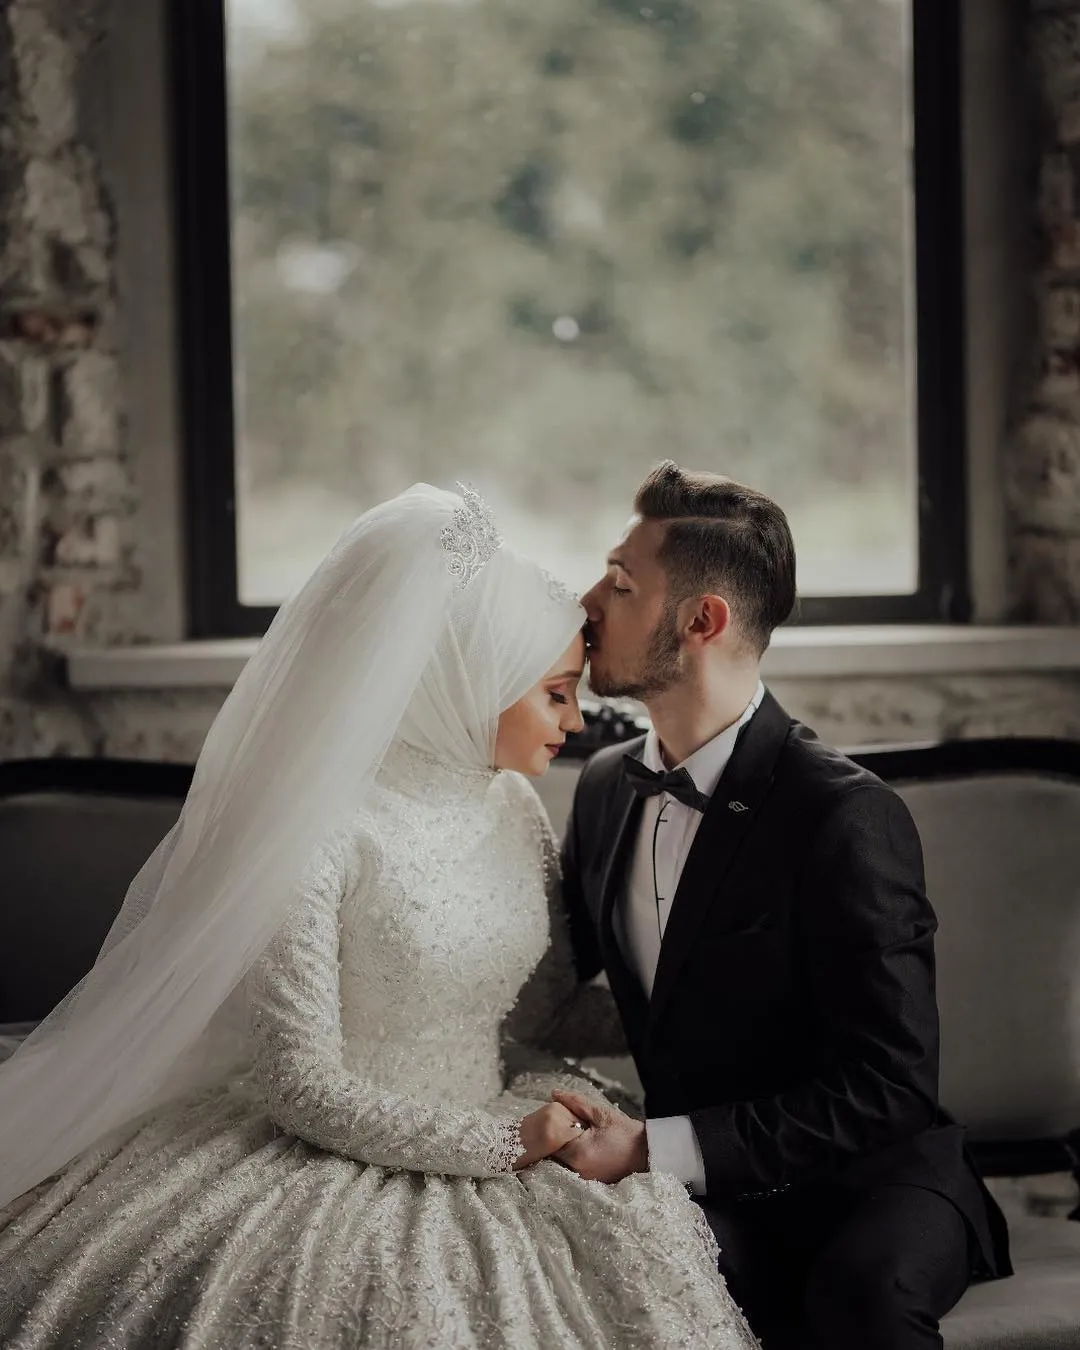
column 626, row 987
column 728, row 820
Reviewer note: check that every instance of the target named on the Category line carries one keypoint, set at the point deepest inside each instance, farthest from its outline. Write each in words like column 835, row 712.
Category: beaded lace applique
column 471, row 537
column 558, row 590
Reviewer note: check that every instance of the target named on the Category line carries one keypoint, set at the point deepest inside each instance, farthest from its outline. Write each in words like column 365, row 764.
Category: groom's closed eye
column 618, row 567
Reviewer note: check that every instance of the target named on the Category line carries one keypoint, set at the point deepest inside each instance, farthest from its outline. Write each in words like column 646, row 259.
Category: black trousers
column 824, row 1269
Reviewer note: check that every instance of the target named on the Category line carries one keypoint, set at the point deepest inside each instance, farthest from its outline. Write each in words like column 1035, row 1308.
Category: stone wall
column 71, row 569
column 1043, row 471
column 66, row 499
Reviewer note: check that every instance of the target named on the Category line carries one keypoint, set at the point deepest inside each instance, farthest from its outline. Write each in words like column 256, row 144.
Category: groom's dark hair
column 723, row 538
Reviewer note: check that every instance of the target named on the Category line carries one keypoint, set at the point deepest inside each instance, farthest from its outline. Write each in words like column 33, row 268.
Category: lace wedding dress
column 354, row 1187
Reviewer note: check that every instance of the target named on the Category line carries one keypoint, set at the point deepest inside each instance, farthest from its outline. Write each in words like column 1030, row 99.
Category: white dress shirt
column 640, row 920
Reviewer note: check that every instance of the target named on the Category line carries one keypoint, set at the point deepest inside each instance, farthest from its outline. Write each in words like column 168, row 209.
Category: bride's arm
column 556, row 1011
column 293, row 993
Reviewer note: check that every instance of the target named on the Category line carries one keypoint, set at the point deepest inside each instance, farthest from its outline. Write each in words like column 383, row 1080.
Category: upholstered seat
column 1038, row 1308
column 1000, row 827
column 73, row 833
column 1002, row 858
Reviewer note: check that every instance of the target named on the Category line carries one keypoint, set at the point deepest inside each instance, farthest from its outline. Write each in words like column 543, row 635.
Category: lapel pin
column 737, row 806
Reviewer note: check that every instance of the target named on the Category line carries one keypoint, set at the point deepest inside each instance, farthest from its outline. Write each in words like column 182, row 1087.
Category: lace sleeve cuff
column 505, row 1147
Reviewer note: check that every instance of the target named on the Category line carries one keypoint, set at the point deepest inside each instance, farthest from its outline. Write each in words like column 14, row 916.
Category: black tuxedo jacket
column 793, row 1015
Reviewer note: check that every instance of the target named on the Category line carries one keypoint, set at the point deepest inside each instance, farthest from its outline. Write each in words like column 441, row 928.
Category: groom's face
column 634, row 646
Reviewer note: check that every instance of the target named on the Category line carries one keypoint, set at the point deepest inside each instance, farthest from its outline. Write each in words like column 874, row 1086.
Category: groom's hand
column 611, row 1148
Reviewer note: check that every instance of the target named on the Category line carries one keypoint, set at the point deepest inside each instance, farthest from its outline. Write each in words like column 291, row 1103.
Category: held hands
column 611, row 1147
column 545, row 1131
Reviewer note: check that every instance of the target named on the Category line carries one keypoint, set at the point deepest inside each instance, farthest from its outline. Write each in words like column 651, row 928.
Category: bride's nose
column 572, row 719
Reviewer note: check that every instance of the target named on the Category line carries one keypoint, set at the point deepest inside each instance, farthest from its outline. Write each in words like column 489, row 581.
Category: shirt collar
column 710, row 760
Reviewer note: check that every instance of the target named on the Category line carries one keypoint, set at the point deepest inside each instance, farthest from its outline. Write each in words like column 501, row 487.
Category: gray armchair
column 1000, row 825
column 73, row 833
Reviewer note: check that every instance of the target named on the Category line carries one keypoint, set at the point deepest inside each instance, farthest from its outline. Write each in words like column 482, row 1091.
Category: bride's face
column 532, row 729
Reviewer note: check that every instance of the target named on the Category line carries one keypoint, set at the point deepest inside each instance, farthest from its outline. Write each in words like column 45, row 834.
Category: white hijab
column 421, row 625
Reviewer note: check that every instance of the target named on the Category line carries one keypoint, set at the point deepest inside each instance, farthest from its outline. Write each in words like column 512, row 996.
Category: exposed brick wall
column 1043, row 477
column 66, row 496
column 70, row 571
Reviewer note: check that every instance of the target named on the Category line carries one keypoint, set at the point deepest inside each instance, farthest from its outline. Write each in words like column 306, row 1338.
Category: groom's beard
column 659, row 670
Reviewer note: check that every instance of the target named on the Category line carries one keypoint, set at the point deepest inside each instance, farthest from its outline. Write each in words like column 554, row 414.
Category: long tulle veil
column 419, row 612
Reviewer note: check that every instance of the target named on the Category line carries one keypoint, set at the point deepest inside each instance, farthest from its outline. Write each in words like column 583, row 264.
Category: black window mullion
column 204, row 288
column 940, row 311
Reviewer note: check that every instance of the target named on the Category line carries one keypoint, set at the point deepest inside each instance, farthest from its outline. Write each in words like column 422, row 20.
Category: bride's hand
column 545, row 1131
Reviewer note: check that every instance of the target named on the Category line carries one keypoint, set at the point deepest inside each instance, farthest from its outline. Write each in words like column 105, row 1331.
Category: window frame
column 200, row 162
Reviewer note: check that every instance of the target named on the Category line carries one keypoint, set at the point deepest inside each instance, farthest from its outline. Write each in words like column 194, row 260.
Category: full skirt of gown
column 209, row 1228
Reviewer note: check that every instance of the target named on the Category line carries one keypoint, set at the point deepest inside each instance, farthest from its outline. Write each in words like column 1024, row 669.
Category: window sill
column 795, row 654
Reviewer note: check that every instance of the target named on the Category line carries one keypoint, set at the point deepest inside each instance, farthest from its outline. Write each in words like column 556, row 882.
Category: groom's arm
column 868, row 958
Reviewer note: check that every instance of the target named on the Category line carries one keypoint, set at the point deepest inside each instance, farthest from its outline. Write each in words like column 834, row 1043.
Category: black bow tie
column 677, row 783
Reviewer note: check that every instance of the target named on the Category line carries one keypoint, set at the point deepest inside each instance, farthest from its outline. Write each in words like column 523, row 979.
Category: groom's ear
column 709, row 617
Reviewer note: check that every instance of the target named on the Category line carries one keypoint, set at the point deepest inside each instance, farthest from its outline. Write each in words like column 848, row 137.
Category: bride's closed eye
column 559, row 698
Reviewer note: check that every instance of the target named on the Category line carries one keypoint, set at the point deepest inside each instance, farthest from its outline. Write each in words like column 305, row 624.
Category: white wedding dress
column 354, row 1187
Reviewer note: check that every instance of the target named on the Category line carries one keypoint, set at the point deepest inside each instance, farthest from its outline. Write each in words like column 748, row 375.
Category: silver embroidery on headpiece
column 558, row 590
column 471, row 537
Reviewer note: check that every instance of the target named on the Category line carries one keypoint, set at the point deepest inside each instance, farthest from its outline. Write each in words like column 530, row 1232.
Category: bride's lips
column 553, row 750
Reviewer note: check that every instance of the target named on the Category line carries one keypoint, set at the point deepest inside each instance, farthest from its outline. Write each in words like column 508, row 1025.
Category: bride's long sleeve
column 555, row 1011
column 293, row 993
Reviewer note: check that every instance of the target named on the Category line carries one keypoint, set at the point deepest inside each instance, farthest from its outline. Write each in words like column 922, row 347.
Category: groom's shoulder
column 816, row 765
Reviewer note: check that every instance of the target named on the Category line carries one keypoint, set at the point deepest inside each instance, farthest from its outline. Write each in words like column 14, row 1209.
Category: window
column 538, row 247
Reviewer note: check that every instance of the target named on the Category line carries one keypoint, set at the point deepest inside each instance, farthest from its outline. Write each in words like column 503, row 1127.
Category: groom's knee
column 868, row 1300
column 890, row 1272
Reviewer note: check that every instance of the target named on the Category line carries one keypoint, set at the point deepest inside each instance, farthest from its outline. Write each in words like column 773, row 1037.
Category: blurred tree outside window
column 538, row 245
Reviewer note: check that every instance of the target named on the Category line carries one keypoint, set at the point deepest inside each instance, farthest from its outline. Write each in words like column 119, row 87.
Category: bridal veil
column 419, row 624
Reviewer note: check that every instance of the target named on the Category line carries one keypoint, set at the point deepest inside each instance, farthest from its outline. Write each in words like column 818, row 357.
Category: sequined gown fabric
column 355, row 1186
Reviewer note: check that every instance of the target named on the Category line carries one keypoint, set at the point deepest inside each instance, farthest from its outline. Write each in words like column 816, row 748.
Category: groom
column 758, row 903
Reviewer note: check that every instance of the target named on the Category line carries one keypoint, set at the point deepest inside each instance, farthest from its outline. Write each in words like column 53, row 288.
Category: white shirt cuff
column 674, row 1147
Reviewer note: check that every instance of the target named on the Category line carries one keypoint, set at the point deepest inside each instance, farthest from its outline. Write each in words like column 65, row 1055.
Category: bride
column 275, row 1113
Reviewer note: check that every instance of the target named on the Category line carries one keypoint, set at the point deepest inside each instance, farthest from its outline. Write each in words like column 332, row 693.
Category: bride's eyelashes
column 559, row 698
